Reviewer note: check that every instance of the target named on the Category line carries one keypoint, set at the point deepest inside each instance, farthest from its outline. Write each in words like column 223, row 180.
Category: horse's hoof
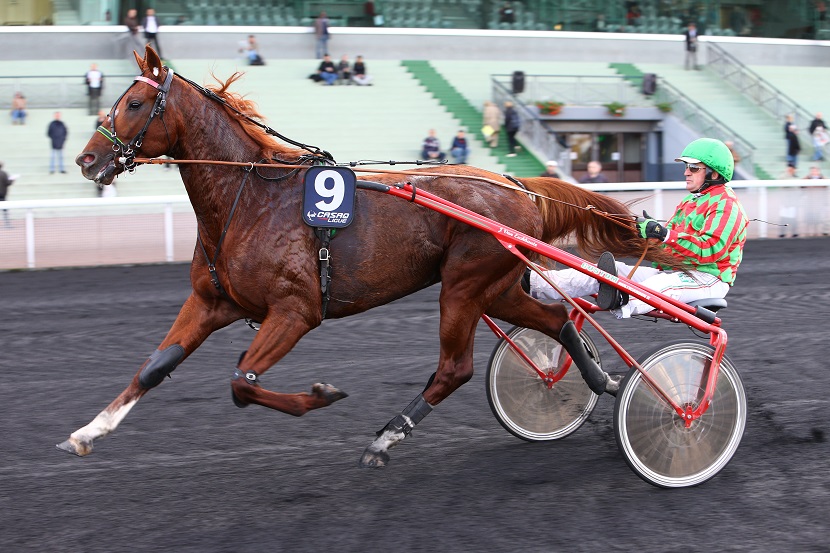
column 373, row 459
column 236, row 401
column 328, row 392
column 76, row 447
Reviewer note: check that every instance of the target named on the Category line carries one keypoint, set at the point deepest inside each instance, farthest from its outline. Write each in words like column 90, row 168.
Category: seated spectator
column 459, row 148
column 344, row 70
column 431, row 148
column 18, row 109
column 252, row 52
column 551, row 170
column 507, row 14
column 327, row 71
column 359, row 75
column 815, row 173
column 594, row 174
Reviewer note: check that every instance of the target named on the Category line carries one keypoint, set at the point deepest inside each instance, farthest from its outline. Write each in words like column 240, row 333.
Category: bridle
column 125, row 153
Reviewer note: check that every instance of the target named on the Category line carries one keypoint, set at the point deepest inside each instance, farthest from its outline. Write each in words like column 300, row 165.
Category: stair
column 524, row 164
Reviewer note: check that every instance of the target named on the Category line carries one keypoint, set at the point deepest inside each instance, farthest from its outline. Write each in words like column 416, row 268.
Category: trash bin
column 518, row 82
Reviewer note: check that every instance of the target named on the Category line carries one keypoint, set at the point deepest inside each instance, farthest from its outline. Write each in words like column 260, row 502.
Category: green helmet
column 710, row 152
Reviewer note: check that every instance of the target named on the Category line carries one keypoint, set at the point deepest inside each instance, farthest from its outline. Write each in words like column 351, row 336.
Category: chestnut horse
column 256, row 259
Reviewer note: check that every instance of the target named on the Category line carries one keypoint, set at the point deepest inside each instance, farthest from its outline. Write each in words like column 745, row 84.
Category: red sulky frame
column 666, row 306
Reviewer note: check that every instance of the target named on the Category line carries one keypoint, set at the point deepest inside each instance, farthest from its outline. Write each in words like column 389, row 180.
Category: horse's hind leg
column 517, row 308
column 455, row 367
column 193, row 325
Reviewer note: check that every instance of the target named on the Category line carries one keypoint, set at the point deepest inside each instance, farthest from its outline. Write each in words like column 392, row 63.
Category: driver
column 707, row 233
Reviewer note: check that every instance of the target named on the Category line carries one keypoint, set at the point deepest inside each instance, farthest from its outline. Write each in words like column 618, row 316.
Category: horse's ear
column 152, row 61
column 138, row 60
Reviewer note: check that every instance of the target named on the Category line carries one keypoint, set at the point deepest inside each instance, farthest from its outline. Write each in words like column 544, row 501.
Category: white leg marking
column 103, row 424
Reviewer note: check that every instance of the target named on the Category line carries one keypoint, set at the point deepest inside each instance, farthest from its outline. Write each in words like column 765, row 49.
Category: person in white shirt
column 94, row 84
column 151, row 27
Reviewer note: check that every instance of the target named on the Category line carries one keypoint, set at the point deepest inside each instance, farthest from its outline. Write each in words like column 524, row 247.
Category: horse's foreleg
column 192, row 326
column 276, row 337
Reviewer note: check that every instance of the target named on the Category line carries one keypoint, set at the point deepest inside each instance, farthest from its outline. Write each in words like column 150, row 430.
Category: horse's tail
column 576, row 214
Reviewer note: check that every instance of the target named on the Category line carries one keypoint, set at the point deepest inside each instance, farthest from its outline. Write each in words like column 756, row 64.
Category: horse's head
column 135, row 124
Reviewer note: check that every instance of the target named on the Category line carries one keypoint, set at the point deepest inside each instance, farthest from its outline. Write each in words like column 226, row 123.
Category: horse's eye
column 135, row 104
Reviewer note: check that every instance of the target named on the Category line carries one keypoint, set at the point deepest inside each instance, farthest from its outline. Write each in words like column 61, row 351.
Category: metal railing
column 540, row 138
column 752, row 86
column 704, row 123
column 581, row 90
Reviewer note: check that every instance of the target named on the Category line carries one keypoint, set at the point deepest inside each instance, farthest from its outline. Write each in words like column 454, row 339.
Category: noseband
column 126, row 152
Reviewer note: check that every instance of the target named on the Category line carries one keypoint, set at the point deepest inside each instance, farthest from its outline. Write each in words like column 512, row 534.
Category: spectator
column 599, row 23
column 551, row 170
column 321, row 32
column 326, row 72
column 132, row 40
column 594, row 174
column 507, row 14
column 735, row 156
column 691, row 46
column 512, row 124
column 57, row 134
column 101, row 120
column 815, row 173
column 344, row 70
column 789, row 121
column 459, row 148
column 632, row 17
column 491, row 124
column 5, row 183
column 151, row 29
column 251, row 50
column 359, row 75
column 818, row 132
column 94, row 86
column 18, row 109
column 431, row 148
column 793, row 147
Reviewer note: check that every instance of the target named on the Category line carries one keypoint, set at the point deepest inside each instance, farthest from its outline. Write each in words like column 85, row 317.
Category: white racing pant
column 675, row 284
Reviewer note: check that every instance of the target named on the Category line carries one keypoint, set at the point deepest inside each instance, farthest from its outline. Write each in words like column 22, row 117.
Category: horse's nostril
column 89, row 158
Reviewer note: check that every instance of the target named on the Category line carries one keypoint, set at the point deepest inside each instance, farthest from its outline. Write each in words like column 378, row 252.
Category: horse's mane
column 568, row 216
column 269, row 145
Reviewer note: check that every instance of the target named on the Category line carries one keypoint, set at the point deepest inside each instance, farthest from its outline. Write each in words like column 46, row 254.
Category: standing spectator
column 132, row 40
column 507, row 14
column 321, row 32
column 359, row 75
column 57, row 134
column 344, row 70
column 512, row 124
column 691, row 46
column 818, row 121
column 820, row 139
column 5, row 183
column 491, row 123
column 327, row 71
column 18, row 109
column 594, row 174
column 551, row 170
column 459, row 148
column 94, row 86
column 431, row 148
column 793, row 147
column 151, row 29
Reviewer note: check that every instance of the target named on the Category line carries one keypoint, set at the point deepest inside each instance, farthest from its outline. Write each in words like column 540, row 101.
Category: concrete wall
column 189, row 42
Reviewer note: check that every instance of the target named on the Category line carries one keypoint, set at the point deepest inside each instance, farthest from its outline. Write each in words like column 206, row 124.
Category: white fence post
column 30, row 238
column 168, row 232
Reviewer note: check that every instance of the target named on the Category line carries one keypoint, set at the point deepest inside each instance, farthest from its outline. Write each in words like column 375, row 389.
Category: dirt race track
column 189, row 471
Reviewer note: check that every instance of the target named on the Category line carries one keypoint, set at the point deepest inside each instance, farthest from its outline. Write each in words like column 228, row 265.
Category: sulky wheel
column 522, row 401
column 654, row 439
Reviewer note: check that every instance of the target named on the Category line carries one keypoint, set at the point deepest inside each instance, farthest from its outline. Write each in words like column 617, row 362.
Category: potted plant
column 549, row 107
column 665, row 107
column 616, row 109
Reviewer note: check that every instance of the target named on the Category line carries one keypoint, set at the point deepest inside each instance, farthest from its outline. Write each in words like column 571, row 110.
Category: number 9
column 336, row 191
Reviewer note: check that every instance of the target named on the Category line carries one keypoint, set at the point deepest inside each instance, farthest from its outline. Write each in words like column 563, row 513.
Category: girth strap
column 325, row 234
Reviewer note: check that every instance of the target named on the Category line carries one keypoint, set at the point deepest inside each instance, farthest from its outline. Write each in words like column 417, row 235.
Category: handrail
column 757, row 89
column 696, row 117
column 541, row 138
